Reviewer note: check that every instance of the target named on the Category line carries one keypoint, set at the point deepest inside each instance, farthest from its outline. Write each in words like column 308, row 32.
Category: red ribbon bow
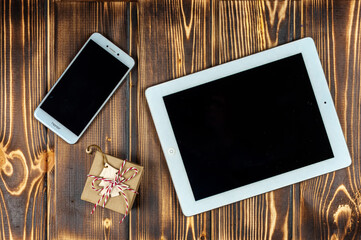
column 117, row 182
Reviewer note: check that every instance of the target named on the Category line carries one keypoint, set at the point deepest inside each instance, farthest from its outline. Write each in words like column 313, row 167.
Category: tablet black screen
column 248, row 126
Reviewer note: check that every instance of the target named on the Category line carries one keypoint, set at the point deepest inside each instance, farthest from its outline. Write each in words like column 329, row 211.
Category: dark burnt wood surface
column 42, row 177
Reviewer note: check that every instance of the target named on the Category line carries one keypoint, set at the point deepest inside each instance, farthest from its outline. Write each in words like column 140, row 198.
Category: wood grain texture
column 174, row 40
column 329, row 206
column 134, row 1
column 70, row 217
column 23, row 147
column 42, row 177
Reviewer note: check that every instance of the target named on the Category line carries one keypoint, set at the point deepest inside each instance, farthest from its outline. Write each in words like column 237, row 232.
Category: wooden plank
column 70, row 218
column 329, row 206
column 247, row 27
column 24, row 154
column 174, row 40
column 133, row 89
column 134, row 1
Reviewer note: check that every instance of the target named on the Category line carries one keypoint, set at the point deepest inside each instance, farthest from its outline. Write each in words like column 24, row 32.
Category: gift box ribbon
column 117, row 182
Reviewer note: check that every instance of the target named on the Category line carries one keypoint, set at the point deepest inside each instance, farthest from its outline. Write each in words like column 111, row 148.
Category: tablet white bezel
column 52, row 123
column 170, row 148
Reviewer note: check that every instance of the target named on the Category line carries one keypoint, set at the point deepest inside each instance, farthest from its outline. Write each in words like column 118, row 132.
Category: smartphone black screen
column 84, row 87
column 248, row 126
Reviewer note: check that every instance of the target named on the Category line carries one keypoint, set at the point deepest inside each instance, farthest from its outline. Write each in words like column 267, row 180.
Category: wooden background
column 42, row 177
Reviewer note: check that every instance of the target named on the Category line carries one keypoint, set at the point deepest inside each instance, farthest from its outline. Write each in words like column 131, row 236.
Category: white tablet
column 248, row 127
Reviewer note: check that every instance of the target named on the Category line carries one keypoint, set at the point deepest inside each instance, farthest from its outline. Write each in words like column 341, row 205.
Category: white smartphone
column 83, row 89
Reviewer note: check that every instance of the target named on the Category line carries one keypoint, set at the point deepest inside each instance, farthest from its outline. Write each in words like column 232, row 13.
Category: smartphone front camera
column 107, row 45
column 118, row 54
